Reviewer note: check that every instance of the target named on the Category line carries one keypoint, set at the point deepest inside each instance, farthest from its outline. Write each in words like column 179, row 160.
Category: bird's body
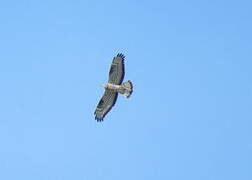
column 125, row 89
column 113, row 87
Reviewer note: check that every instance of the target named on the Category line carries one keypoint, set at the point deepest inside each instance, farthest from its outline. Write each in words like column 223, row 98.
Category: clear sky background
column 189, row 117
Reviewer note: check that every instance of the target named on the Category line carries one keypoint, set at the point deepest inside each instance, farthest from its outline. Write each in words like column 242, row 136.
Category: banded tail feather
column 128, row 86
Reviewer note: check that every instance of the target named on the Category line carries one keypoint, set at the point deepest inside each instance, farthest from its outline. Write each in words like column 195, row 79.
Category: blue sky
column 188, row 118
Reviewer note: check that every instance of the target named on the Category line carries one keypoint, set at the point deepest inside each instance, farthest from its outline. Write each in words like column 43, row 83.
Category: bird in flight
column 114, row 86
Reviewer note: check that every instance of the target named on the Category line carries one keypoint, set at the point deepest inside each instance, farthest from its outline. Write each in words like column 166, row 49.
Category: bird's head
column 105, row 86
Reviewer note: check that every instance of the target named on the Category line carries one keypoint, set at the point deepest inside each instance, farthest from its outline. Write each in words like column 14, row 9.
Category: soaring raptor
column 113, row 87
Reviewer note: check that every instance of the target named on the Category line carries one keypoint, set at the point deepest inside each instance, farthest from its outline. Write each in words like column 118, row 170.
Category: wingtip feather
column 98, row 119
column 121, row 55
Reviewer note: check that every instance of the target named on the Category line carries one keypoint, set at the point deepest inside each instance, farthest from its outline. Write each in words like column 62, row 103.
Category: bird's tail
column 128, row 87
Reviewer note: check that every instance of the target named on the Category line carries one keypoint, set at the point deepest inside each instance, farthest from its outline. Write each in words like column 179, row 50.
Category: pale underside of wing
column 105, row 104
column 116, row 72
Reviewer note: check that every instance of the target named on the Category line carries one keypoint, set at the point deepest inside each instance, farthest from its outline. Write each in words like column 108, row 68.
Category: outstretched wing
column 116, row 72
column 107, row 101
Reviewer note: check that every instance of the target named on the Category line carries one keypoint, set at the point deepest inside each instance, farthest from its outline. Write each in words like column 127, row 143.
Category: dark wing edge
column 105, row 104
column 117, row 70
